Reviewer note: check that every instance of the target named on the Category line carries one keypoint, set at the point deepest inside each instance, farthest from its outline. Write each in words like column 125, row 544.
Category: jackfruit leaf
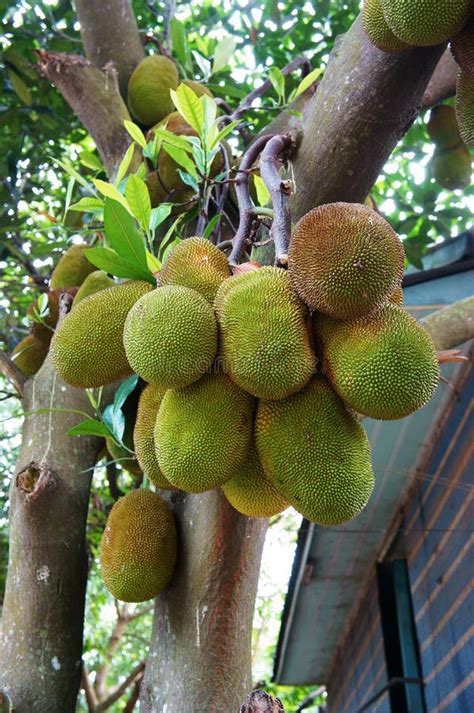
column 108, row 260
column 181, row 158
column 67, row 202
column 90, row 160
column 154, row 265
column 110, row 191
column 115, row 422
column 278, row 81
column 263, row 194
column 223, row 133
column 42, row 308
column 121, row 395
column 203, row 64
column 189, row 180
column 199, row 159
column 11, row 57
column 210, row 113
column 179, row 41
column 124, row 164
column 159, row 214
column 307, row 81
column 89, row 427
column 122, row 233
column 77, row 176
column 225, row 48
column 135, row 132
column 88, row 205
column 189, row 106
column 138, row 199
column 211, row 225
column 170, row 139
column 20, row 88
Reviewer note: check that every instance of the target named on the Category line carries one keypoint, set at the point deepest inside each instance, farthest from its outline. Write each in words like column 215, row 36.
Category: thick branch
column 12, row 373
column 134, row 696
column 120, row 690
column 94, row 97
column 110, row 34
column 451, row 325
column 261, row 702
column 443, row 82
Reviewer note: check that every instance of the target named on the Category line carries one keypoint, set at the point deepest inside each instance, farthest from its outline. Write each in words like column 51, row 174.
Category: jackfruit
column 315, row 453
column 462, row 47
column 397, row 296
column 198, row 88
column 426, row 22
column 138, row 547
column 198, row 264
column 72, row 268
column 29, row 354
column 378, row 32
column 143, row 438
column 170, row 336
column 443, row 127
column 87, row 348
column 452, row 169
column 203, row 433
column 264, row 340
column 384, row 366
column 465, row 107
column 345, row 260
column 96, row 281
column 251, row 493
column 149, row 98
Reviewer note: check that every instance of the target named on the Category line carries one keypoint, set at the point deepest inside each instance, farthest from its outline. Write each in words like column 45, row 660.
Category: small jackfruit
column 426, row 22
column 465, row 107
column 95, row 282
column 87, row 348
column 378, row 32
column 149, row 98
column 138, row 547
column 264, row 340
column 462, row 47
column 170, row 336
column 250, row 492
column 383, row 366
column 203, row 433
column 72, row 268
column 452, row 168
column 315, row 453
column 345, row 260
column 143, row 438
column 198, row 264
column 29, row 354
column 443, row 127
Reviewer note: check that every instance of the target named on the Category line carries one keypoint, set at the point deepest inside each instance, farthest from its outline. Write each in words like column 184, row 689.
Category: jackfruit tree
column 225, row 308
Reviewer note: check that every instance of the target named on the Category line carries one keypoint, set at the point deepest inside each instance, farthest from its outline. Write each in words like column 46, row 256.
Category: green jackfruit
column 143, row 438
column 315, row 453
column 264, row 340
column 462, row 47
column 397, row 296
column 443, row 127
column 465, row 107
column 198, row 264
column 378, row 32
column 426, row 22
column 29, row 354
column 345, row 260
column 384, row 366
column 198, row 88
column 203, row 433
column 452, row 168
column 149, row 98
column 170, row 336
column 72, row 268
column 87, row 347
column 251, row 493
column 138, row 548
column 96, row 281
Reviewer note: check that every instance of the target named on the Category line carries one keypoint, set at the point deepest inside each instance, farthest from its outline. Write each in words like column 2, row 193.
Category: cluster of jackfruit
column 451, row 165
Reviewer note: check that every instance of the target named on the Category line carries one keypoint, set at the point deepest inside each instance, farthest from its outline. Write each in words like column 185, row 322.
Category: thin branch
column 169, row 11
column 120, row 690
column 135, row 694
column 91, row 698
column 140, row 612
column 112, row 474
column 12, row 373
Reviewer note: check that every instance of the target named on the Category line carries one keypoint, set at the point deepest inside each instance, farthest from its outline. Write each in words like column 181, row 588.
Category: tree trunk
column 199, row 657
column 43, row 610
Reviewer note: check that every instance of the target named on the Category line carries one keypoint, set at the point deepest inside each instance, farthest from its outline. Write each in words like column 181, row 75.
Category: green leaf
column 154, row 265
column 108, row 260
column 89, row 427
column 179, row 42
column 88, row 205
column 223, row 52
column 189, row 106
column 263, row 194
column 224, row 132
column 181, row 158
column 308, row 81
column 110, row 191
column 135, row 132
column 19, row 87
column 174, row 140
column 124, row 164
column 211, row 225
column 122, row 234
column 90, row 160
column 210, row 112
column 159, row 214
column 203, row 64
column 278, row 81
column 70, row 188
column 77, row 176
column 121, row 395
column 138, row 199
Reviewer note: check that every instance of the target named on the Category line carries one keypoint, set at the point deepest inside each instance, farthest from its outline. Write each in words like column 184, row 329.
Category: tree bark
column 200, row 654
column 452, row 325
column 42, row 623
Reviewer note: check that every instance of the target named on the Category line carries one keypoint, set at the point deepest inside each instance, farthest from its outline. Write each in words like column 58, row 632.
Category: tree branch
column 12, row 373
column 261, row 702
column 94, row 97
column 451, row 325
column 110, row 34
column 120, row 690
column 91, row 698
column 112, row 646
column 443, row 82
column 134, row 696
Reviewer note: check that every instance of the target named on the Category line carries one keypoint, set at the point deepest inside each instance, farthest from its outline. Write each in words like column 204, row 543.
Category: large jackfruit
column 462, row 46
column 72, row 268
column 384, row 366
column 203, row 433
column 170, row 336
column 87, row 348
column 465, row 107
column 250, row 492
column 95, row 282
column 345, row 260
column 378, row 32
column 143, row 437
column 315, row 453
column 138, row 547
column 149, row 98
column 443, row 127
column 264, row 340
column 29, row 354
column 198, row 264
column 452, row 168
column 426, row 22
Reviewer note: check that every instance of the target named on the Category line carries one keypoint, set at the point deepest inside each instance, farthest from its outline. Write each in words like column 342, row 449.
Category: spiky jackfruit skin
column 87, row 348
column 170, row 336
column 72, row 268
column 198, row 264
column 462, row 46
column 143, row 438
column 29, row 354
column 138, row 547
column 149, row 98
column 452, row 168
column 345, row 260
column 264, row 340
column 384, row 366
column 250, row 492
column 203, row 433
column 465, row 107
column 378, row 32
column 426, row 22
column 95, row 282
column 443, row 127
column 397, row 296
column 315, row 453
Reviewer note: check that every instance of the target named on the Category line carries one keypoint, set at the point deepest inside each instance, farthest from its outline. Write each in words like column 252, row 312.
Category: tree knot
column 35, row 479
column 261, row 702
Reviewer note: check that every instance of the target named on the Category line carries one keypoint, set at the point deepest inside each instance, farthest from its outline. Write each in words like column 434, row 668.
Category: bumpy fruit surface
column 452, row 168
column 426, row 22
column 462, row 46
column 29, row 354
column 72, row 268
column 465, row 107
column 379, row 33
column 95, row 282
column 143, row 437
column 149, row 98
